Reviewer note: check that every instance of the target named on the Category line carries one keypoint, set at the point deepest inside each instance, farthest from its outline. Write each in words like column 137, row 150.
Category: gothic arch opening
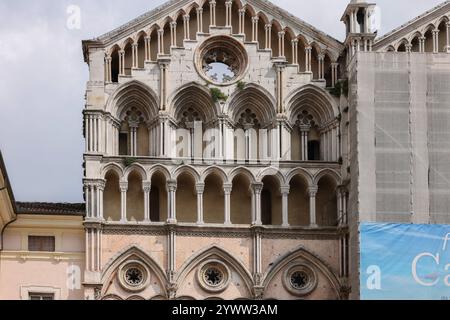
column 111, row 197
column 271, row 202
column 186, row 198
column 213, row 197
column 442, row 36
column 429, row 39
column 128, row 58
column 326, row 202
column 135, row 198
column 141, row 51
column 415, row 44
column 298, row 202
column 241, row 200
column 115, row 65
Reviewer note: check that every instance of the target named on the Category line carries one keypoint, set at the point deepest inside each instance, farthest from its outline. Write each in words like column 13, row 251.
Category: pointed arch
column 161, row 169
column 299, row 172
column 255, row 98
column 244, row 171
column 133, row 93
column 126, row 42
column 263, row 17
column 215, row 251
column 311, row 258
column 132, row 252
column 317, row 100
column 403, row 42
column 429, row 27
column 327, row 172
column 196, row 96
column 271, row 171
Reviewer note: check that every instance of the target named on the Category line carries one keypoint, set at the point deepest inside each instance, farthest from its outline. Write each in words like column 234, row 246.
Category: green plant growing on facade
column 129, row 161
column 240, row 85
column 218, row 95
column 341, row 87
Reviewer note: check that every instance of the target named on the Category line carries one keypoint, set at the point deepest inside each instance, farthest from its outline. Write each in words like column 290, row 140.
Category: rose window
column 134, row 277
column 299, row 280
column 213, row 276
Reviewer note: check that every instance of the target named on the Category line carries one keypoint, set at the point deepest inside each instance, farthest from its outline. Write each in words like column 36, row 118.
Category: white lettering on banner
column 374, row 279
column 446, row 239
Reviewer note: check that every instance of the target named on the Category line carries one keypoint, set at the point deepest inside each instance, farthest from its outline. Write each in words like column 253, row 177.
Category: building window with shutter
column 40, row 243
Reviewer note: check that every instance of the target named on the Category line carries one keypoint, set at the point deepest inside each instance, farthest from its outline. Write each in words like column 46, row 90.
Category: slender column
column 108, row 72
column 163, row 85
column 148, row 41
column 123, row 201
column 334, row 77
column 227, row 188
column 200, row 188
column 146, row 187
column 122, row 62
column 340, row 206
column 228, row 7
column 304, row 132
column 86, row 196
column 199, row 20
column 280, row 86
column 134, row 54
column 241, row 21
column 447, row 47
column 257, row 189
column 281, row 35
column 97, row 200
column 173, row 34
column 312, row 205
column 91, row 133
column 408, row 48
column 321, row 67
column 268, row 28
column 161, row 41
column 308, row 51
column 133, row 138
column 284, row 190
column 294, row 51
column 255, row 28
column 422, row 44
column 171, row 199
column 187, row 32
column 436, row 41
column 101, row 190
column 212, row 13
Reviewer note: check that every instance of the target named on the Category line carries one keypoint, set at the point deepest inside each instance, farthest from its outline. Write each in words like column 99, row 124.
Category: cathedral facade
column 224, row 159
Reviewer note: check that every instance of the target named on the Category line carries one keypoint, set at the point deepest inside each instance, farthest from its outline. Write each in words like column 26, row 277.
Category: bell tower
column 360, row 33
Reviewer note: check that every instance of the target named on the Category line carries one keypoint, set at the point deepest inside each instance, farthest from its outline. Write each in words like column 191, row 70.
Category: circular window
column 214, row 276
column 221, row 60
column 133, row 276
column 300, row 280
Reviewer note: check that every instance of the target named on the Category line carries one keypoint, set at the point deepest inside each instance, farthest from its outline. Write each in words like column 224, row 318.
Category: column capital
column 281, row 33
column 308, row 48
column 101, row 185
column 135, row 45
column 312, row 190
column 186, row 17
column 122, row 52
column 227, row 188
column 161, row 32
column 242, row 11
column 255, row 19
column 294, row 42
column 435, row 31
column 173, row 24
column 321, row 56
column 147, row 186
column 172, row 185
column 123, row 185
column 148, row 38
column 212, row 2
column 304, row 127
column 268, row 26
column 200, row 187
column 199, row 10
column 284, row 190
column 335, row 64
column 257, row 187
column 447, row 24
column 229, row 3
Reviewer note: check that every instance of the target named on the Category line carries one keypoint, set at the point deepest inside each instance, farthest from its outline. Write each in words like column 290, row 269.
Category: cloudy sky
column 43, row 78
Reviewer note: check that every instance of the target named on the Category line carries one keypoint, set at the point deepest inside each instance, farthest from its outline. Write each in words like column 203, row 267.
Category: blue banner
column 404, row 262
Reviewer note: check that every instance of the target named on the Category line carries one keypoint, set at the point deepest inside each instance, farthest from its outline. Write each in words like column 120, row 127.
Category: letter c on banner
column 414, row 268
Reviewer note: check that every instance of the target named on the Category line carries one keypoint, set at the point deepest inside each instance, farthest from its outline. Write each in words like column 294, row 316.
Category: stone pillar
column 268, row 28
column 161, row 41
column 280, row 68
column 257, row 189
column 199, row 20
column 123, row 201
column 101, row 189
column 146, row 187
column 171, row 201
column 163, row 85
column 281, row 35
column 108, row 72
column 227, row 188
column 242, row 21
column 308, row 51
column 134, row 55
column 228, row 9
column 447, row 47
column 186, row 29
column 334, row 70
column 304, row 133
column 200, row 188
column 212, row 13
column 284, row 190
column 173, row 34
column 294, row 51
column 321, row 66
column 121, row 62
column 312, row 205
column 436, row 41
column 133, row 138
column 408, row 48
column 148, row 41
column 255, row 21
